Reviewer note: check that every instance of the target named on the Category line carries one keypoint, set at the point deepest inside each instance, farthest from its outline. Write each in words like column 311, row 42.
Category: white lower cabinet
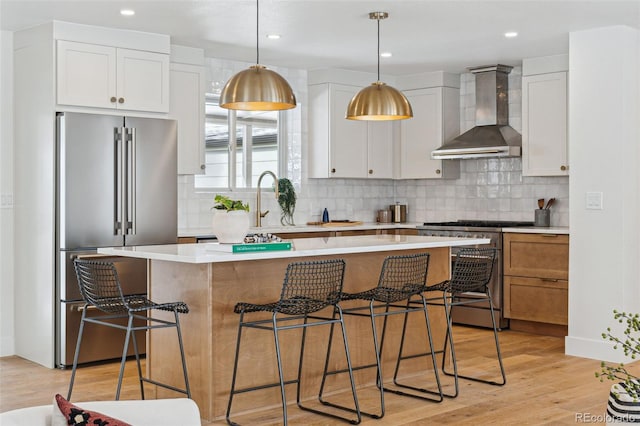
column 187, row 107
column 90, row 75
column 341, row 148
column 544, row 125
column 435, row 121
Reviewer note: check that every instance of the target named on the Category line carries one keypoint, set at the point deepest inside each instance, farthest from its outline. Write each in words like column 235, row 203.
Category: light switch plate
column 594, row 201
column 6, row 201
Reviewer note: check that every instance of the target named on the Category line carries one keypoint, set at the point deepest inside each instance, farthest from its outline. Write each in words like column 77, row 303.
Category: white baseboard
column 593, row 348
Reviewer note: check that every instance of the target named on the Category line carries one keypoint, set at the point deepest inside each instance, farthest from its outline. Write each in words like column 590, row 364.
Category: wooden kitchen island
column 211, row 282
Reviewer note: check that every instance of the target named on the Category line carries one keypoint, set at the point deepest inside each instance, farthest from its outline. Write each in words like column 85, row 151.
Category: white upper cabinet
column 435, row 120
column 380, row 149
column 187, row 106
column 544, row 125
column 341, row 148
column 91, row 75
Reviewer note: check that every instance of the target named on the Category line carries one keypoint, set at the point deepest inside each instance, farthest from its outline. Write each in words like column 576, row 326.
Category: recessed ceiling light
column 511, row 34
column 273, row 36
column 386, row 55
column 127, row 12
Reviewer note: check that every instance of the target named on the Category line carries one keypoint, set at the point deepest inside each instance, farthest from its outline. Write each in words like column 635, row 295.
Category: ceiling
column 422, row 35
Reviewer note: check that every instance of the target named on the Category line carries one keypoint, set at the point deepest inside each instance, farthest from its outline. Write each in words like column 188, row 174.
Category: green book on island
column 252, row 247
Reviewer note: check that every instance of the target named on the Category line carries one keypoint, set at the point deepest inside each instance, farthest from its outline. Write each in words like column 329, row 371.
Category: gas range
column 491, row 229
column 475, row 225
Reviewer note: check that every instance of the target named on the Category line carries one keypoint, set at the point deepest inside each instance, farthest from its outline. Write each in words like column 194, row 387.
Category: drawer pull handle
column 549, row 235
column 550, row 280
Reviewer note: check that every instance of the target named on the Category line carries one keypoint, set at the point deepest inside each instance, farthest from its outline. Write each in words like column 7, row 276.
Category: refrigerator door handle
column 131, row 192
column 119, row 181
column 81, row 306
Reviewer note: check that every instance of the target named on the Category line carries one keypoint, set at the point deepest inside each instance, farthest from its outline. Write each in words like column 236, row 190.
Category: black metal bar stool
column 471, row 272
column 402, row 279
column 308, row 287
column 100, row 287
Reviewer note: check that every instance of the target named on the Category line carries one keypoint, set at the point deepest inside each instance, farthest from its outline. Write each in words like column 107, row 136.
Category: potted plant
column 287, row 201
column 624, row 399
column 231, row 220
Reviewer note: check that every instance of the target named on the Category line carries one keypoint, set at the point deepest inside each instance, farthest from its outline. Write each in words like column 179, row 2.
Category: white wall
column 34, row 189
column 604, row 117
column 7, row 334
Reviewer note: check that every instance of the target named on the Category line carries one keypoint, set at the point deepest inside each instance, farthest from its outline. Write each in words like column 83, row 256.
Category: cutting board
column 341, row 223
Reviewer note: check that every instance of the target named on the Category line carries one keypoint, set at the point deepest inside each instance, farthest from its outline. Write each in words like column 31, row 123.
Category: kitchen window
column 237, row 162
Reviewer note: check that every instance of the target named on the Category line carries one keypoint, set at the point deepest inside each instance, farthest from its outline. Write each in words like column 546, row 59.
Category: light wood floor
column 544, row 386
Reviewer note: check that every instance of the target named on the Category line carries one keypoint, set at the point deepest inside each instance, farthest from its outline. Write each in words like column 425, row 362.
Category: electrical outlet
column 594, row 201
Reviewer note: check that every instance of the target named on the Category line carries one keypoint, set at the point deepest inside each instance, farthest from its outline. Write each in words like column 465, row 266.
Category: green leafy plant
column 226, row 203
column 630, row 344
column 286, row 200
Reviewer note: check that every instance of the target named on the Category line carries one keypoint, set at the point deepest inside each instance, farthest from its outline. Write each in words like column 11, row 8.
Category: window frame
column 247, row 148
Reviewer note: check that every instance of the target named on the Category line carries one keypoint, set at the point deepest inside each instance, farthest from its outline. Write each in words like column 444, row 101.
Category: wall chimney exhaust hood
column 492, row 136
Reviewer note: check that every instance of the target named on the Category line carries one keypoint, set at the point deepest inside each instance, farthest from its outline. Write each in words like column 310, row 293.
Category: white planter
column 230, row 227
column 621, row 408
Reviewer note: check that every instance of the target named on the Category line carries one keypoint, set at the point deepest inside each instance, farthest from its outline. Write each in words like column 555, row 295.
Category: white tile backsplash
column 492, row 189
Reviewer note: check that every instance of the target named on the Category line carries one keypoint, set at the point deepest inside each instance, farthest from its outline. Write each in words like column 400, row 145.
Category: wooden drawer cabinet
column 536, row 299
column 536, row 255
column 536, row 287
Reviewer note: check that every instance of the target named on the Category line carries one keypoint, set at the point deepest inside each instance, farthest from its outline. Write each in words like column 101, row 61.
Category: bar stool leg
column 495, row 335
column 280, row 373
column 326, row 370
column 350, row 367
column 184, row 362
column 75, row 356
column 235, row 370
column 430, row 352
column 300, row 362
column 124, row 356
column 135, row 349
column 376, row 348
column 448, row 338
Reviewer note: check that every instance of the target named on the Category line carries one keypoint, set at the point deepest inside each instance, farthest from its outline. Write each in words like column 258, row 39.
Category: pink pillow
column 75, row 415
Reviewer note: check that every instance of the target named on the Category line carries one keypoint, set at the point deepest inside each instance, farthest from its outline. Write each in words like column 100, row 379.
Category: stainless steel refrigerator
column 116, row 185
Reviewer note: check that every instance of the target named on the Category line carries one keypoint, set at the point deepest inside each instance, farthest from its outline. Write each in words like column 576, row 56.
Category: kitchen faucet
column 259, row 214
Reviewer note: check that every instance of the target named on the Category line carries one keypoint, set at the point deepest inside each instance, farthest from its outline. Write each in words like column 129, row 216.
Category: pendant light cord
column 378, row 19
column 257, row 33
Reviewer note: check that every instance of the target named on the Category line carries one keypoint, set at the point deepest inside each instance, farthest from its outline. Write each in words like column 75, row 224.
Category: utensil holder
column 542, row 217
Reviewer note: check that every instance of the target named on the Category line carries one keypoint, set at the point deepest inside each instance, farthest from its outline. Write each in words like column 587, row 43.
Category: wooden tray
column 341, row 223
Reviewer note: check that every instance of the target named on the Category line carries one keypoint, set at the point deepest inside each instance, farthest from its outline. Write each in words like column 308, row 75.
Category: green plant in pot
column 624, row 399
column 230, row 222
column 226, row 203
column 287, row 201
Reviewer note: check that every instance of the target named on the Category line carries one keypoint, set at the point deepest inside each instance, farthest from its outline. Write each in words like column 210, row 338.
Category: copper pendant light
column 379, row 101
column 257, row 88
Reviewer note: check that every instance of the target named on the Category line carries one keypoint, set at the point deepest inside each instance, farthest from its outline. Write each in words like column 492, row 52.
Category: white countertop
column 564, row 230
column 206, row 232
column 207, row 253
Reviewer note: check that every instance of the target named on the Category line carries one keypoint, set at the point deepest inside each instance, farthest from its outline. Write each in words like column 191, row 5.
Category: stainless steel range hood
column 492, row 136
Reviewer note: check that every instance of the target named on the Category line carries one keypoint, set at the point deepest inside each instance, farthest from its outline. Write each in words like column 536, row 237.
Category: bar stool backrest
column 472, row 270
column 311, row 286
column 403, row 276
column 99, row 285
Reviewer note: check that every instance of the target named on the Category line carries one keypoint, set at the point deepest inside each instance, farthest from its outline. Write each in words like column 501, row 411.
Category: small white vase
column 230, row 227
